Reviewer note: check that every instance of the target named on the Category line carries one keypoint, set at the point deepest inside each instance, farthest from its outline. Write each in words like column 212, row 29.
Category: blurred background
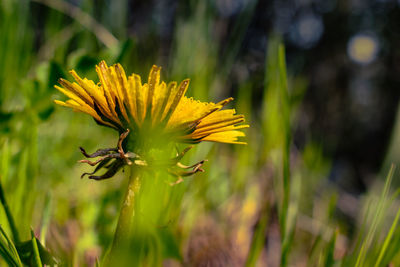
column 318, row 81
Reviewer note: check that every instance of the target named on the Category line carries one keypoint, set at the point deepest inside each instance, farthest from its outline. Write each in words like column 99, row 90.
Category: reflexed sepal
column 113, row 159
column 179, row 171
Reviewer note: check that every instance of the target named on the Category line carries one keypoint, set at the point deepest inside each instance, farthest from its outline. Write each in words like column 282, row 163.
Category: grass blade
column 10, row 218
column 330, row 251
column 8, row 250
column 376, row 219
column 387, row 239
column 36, row 256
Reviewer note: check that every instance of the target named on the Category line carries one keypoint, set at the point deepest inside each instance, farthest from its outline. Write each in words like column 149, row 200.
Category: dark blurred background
column 345, row 50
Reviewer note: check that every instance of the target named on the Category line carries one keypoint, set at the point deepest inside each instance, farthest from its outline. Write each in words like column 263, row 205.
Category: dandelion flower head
column 150, row 109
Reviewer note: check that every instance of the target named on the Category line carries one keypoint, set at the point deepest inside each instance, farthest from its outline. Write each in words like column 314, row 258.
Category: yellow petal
column 174, row 101
column 225, row 101
column 141, row 94
column 77, row 90
column 219, row 117
column 163, row 101
column 190, row 110
column 197, row 134
column 70, row 94
column 84, row 109
column 230, row 137
column 232, row 121
column 118, row 81
column 94, row 91
column 159, row 97
column 108, row 89
column 131, row 93
column 153, row 81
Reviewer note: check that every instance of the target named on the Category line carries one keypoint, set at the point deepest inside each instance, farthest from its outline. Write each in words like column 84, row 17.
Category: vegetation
column 267, row 202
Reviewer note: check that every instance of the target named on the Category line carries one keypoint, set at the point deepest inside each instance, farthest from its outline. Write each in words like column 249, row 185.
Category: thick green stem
column 122, row 233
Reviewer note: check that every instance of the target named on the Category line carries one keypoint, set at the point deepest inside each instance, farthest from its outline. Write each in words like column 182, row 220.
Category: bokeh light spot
column 363, row 48
column 307, row 30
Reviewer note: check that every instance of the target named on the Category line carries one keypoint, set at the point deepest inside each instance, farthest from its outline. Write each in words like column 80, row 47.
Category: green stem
column 122, row 233
column 10, row 218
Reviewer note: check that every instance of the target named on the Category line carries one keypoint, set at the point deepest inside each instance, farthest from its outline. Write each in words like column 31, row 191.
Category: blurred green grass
column 264, row 203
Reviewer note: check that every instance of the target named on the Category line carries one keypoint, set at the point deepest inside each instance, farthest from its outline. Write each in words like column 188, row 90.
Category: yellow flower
column 154, row 107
